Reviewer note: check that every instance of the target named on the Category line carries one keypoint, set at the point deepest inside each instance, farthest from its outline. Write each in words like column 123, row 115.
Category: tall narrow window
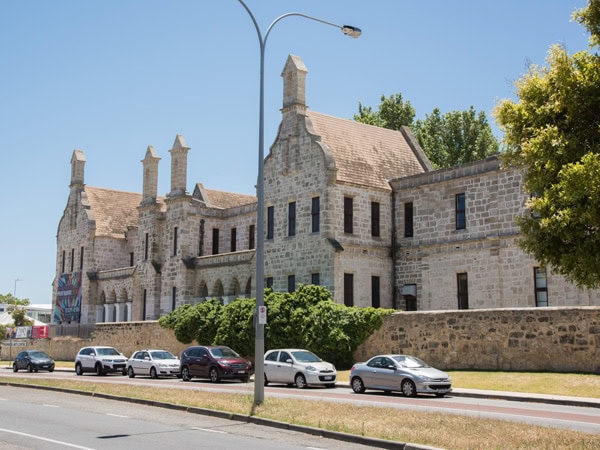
column 81, row 259
column 72, row 259
column 201, row 238
column 408, row 219
column 375, row 219
column 63, row 262
column 375, row 294
column 269, row 282
column 315, row 212
column 174, row 298
column 270, row 221
column 146, row 242
column 348, row 214
column 251, row 233
column 315, row 278
column 292, row 219
column 144, row 306
column 174, row 241
column 348, row 289
column 541, row 286
column 291, row 283
column 131, row 259
column 233, row 239
column 461, row 215
column 215, row 241
column 462, row 290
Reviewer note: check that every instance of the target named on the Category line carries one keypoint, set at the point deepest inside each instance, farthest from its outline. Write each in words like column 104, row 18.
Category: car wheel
column 153, row 373
column 185, row 374
column 440, row 395
column 124, row 372
column 213, row 374
column 99, row 370
column 330, row 385
column 408, row 388
column 51, row 368
column 266, row 380
column 78, row 370
column 29, row 368
column 300, row 381
column 357, row 385
column 130, row 372
column 244, row 379
column 15, row 368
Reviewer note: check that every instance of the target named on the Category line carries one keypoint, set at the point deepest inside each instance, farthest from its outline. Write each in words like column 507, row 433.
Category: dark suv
column 215, row 363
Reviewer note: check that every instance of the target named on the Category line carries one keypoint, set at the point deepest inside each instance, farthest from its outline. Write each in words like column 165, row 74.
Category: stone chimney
column 77, row 169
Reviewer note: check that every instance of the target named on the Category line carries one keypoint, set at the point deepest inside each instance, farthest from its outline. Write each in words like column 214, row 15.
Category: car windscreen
column 162, row 355
column 223, row 352
column 409, row 361
column 107, row 352
column 38, row 355
column 306, row 356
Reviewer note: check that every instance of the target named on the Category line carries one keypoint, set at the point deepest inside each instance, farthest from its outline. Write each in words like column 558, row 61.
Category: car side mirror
column 92, row 354
column 391, row 366
column 289, row 361
column 147, row 358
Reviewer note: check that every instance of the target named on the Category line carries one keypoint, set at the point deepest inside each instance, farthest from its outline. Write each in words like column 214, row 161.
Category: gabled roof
column 221, row 199
column 368, row 155
column 114, row 211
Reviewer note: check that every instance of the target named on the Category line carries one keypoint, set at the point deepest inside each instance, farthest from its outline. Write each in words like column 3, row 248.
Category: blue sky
column 112, row 77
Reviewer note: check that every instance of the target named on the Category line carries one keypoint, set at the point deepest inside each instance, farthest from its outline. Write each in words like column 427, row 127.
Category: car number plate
column 241, row 371
column 328, row 378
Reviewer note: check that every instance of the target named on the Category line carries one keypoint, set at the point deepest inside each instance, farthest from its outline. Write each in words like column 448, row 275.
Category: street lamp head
column 351, row 31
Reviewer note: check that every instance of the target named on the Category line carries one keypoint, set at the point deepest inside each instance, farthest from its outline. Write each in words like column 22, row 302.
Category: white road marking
column 53, row 441
column 209, row 430
column 117, row 415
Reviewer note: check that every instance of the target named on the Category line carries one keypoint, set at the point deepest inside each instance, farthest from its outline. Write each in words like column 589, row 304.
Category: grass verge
column 434, row 429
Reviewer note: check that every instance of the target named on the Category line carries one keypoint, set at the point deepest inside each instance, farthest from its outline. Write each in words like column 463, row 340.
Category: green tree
column 553, row 133
column 457, row 137
column 9, row 299
column 393, row 113
column 307, row 318
column 20, row 318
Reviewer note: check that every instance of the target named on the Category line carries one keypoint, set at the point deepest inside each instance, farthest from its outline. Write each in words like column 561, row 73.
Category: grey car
column 403, row 373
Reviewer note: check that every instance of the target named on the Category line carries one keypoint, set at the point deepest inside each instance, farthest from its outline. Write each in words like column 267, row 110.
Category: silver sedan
column 403, row 373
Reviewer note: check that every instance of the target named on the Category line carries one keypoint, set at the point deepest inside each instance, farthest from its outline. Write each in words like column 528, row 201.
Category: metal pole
column 259, row 343
column 15, row 290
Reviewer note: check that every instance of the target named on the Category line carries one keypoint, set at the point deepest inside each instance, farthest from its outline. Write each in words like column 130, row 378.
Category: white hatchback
column 300, row 367
column 154, row 363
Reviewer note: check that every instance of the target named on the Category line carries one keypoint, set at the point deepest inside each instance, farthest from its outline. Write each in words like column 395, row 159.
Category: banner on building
column 40, row 332
column 68, row 299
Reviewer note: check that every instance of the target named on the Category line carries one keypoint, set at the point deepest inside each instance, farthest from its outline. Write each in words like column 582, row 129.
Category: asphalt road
column 41, row 419
column 539, row 410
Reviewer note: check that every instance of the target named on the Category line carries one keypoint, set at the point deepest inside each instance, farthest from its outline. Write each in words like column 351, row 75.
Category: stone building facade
column 353, row 207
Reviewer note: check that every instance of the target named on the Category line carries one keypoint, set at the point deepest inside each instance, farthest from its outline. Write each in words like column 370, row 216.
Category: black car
column 32, row 361
column 215, row 363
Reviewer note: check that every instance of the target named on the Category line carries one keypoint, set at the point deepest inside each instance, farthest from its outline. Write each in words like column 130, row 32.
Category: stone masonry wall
column 524, row 339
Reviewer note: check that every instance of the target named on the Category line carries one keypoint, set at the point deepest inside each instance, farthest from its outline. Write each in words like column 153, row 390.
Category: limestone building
column 355, row 208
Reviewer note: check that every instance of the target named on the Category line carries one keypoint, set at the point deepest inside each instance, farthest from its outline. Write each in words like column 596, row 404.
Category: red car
column 215, row 363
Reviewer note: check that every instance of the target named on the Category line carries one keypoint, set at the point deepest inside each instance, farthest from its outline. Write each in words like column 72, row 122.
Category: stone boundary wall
column 523, row 339
column 126, row 337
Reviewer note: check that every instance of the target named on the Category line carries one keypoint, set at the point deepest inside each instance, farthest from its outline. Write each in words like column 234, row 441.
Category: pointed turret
column 294, row 85
column 77, row 169
column 150, row 163
column 178, row 167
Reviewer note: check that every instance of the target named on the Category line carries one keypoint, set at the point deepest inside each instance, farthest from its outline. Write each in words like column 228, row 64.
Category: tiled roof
column 365, row 154
column 113, row 211
column 220, row 199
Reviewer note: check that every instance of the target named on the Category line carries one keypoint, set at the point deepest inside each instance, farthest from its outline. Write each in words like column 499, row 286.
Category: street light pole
column 259, row 343
column 15, row 290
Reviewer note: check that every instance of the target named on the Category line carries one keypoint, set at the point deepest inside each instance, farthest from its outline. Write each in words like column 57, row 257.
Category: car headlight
column 311, row 368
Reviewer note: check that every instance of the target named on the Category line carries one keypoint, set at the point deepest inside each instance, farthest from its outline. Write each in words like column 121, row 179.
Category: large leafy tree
column 553, row 132
column 457, row 137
